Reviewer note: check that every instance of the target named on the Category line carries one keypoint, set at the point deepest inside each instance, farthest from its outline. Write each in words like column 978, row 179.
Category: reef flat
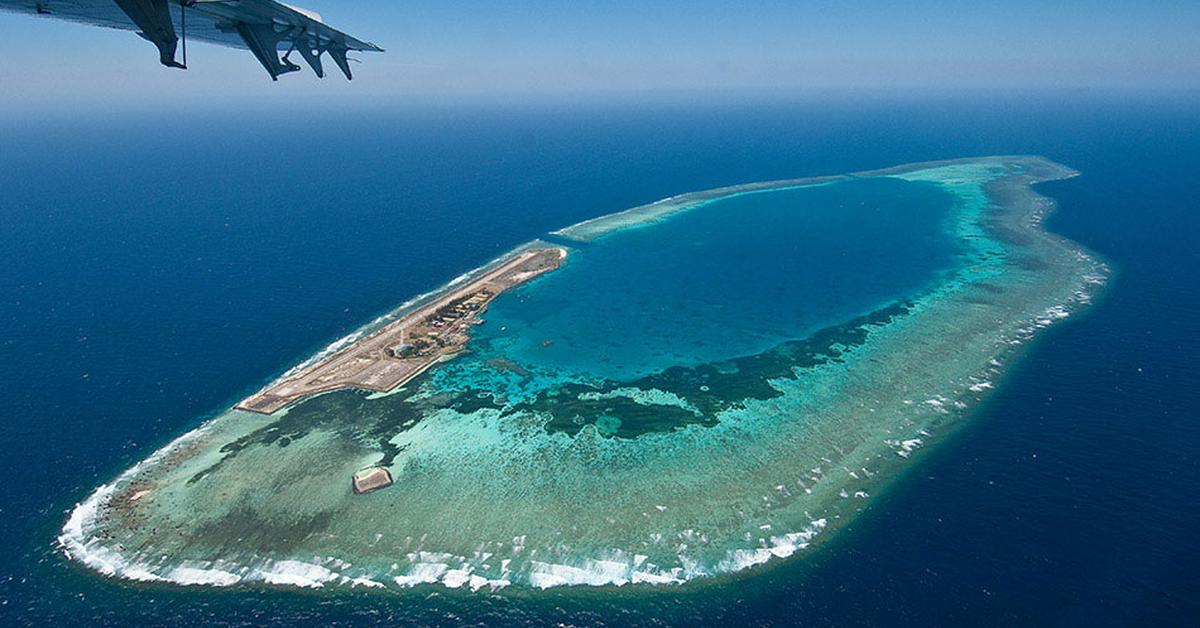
column 707, row 383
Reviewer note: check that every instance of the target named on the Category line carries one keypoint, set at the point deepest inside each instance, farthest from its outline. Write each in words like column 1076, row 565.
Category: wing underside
column 264, row 27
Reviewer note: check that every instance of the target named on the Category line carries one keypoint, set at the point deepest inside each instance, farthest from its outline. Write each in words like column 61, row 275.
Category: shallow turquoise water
column 734, row 277
column 762, row 364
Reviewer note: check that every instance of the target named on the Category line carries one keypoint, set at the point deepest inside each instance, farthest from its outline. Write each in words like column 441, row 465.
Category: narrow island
column 716, row 382
column 404, row 348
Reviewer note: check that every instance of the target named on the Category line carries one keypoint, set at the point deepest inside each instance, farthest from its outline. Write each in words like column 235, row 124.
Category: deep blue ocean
column 155, row 268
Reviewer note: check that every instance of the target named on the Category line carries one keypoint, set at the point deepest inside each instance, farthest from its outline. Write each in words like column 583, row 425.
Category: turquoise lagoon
column 711, row 382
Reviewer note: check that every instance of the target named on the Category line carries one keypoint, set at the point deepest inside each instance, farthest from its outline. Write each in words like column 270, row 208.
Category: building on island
column 371, row 479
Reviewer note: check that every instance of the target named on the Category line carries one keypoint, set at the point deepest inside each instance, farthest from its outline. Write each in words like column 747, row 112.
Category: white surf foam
column 294, row 573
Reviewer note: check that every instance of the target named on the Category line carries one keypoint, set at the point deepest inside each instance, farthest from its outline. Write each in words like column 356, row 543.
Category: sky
column 482, row 49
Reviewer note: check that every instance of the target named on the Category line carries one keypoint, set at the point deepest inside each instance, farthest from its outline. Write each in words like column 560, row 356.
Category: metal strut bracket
column 263, row 40
column 338, row 54
column 311, row 53
column 311, row 48
column 154, row 19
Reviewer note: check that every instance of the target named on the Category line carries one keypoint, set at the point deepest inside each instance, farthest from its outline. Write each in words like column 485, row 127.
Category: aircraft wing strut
column 264, row 27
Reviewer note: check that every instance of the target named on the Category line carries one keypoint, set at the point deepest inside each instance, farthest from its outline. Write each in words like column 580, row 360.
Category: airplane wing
column 264, row 27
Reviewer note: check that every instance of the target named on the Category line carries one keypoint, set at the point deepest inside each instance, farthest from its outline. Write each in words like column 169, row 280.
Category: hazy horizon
column 494, row 50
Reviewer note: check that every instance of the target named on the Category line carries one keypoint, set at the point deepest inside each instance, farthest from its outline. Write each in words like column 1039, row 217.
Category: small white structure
column 371, row 479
